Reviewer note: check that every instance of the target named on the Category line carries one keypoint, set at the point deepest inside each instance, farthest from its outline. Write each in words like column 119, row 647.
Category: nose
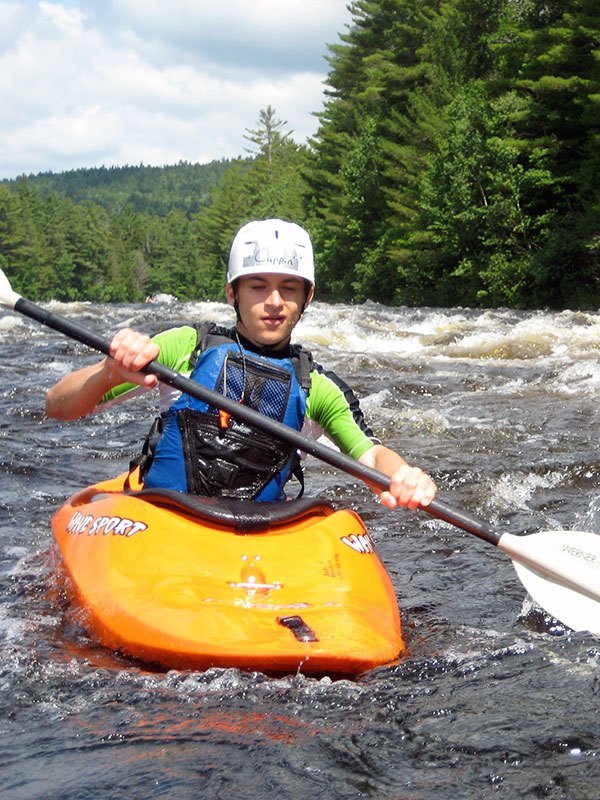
column 274, row 299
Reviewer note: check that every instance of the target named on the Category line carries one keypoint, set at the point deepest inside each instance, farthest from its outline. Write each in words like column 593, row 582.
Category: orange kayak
column 191, row 583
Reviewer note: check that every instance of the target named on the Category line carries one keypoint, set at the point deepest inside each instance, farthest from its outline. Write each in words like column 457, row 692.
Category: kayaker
column 195, row 448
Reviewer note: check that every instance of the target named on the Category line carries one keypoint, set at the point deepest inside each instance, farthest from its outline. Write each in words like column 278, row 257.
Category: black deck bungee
column 243, row 516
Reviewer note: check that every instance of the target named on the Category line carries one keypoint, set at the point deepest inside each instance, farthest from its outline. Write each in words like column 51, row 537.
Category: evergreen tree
column 551, row 60
column 270, row 185
column 268, row 139
column 474, row 236
column 455, row 55
column 373, row 73
column 215, row 226
column 26, row 247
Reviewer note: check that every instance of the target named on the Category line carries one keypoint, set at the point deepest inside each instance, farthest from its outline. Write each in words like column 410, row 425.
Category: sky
column 87, row 83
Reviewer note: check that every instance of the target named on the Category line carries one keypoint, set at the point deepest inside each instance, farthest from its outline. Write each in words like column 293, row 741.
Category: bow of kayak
column 192, row 583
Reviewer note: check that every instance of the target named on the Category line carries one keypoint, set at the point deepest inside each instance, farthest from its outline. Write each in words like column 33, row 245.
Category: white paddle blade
column 573, row 609
column 8, row 298
column 561, row 572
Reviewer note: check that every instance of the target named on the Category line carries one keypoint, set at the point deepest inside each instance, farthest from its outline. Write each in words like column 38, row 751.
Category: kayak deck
column 192, row 583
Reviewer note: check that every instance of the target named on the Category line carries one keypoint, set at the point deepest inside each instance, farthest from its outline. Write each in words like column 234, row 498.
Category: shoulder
column 327, row 381
column 328, row 390
column 182, row 333
column 334, row 406
column 176, row 346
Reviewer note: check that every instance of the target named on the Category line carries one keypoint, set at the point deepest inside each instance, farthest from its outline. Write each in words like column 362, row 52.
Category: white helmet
column 271, row 245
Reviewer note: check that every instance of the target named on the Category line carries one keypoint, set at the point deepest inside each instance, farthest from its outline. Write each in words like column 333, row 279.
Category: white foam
column 163, row 298
column 68, row 309
column 9, row 322
column 516, row 490
column 580, row 378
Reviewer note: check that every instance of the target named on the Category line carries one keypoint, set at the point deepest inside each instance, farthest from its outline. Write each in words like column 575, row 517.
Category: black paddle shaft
column 248, row 415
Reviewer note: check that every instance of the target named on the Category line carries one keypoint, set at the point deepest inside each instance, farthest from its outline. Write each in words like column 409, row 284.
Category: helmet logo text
column 261, row 256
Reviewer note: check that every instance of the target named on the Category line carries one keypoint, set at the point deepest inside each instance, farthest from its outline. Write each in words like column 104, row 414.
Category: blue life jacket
column 207, row 452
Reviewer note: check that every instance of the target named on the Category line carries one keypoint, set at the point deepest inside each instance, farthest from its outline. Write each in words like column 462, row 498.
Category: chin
column 273, row 341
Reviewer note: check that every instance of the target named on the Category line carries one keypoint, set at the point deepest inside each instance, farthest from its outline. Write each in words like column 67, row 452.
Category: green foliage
column 469, row 131
column 455, row 163
column 55, row 246
column 145, row 190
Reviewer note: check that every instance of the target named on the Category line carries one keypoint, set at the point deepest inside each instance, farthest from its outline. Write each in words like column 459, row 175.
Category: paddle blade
column 561, row 572
column 8, row 298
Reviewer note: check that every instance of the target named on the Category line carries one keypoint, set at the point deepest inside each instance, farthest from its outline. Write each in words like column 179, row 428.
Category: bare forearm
column 78, row 393
column 383, row 458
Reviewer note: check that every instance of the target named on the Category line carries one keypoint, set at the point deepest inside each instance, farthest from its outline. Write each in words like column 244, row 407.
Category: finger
column 428, row 493
column 411, row 487
column 404, row 483
column 132, row 350
column 423, row 493
column 142, row 353
column 388, row 500
column 150, row 381
column 121, row 342
column 116, row 340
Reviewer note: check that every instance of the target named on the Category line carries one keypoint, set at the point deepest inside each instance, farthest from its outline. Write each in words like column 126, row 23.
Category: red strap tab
column 224, row 418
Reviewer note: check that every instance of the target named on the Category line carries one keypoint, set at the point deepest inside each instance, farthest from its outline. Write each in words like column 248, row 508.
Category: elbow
column 56, row 408
column 53, row 409
column 49, row 409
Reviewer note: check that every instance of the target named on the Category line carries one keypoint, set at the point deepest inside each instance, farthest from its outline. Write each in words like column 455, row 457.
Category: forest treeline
column 456, row 162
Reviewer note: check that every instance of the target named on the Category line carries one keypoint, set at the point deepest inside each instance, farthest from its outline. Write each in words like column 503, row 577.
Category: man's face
column 269, row 307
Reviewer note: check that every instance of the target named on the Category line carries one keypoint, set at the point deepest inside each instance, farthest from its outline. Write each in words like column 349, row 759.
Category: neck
column 278, row 349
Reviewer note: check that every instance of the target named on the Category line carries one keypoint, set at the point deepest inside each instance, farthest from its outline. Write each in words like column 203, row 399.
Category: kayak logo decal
column 361, row 543
column 92, row 526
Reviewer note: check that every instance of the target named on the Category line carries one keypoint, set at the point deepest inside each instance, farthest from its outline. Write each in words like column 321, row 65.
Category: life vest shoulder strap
column 209, row 334
column 303, row 366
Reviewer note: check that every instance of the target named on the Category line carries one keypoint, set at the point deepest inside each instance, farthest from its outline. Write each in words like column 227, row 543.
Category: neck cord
column 243, row 355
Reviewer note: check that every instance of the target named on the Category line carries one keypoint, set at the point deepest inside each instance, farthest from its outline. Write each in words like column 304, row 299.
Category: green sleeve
column 334, row 407
column 176, row 346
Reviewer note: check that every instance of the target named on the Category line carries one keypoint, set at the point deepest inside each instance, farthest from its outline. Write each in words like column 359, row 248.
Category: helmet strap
column 236, row 306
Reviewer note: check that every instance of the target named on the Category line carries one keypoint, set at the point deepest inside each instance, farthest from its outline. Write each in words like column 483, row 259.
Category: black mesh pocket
column 236, row 461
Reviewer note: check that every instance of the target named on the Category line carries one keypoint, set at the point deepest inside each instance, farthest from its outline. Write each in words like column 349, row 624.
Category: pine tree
column 373, row 73
column 268, row 139
column 269, row 185
column 551, row 61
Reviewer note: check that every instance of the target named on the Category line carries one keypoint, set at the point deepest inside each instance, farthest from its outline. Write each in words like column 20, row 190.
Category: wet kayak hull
column 190, row 583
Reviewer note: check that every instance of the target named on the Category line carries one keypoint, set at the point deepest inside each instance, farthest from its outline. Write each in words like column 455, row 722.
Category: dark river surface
column 493, row 698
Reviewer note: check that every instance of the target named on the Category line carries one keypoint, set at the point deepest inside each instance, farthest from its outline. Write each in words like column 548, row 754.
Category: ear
column 230, row 294
column 309, row 298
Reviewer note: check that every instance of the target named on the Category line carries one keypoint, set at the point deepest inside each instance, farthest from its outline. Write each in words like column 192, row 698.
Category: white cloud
column 67, row 20
column 269, row 35
column 109, row 82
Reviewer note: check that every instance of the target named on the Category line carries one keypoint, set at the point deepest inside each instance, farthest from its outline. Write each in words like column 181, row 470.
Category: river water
column 493, row 698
